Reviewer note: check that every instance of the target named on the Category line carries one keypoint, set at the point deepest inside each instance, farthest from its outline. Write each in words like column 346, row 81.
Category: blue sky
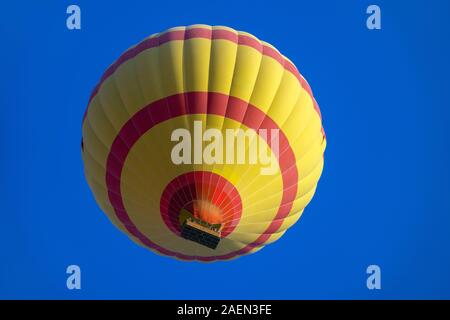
column 382, row 199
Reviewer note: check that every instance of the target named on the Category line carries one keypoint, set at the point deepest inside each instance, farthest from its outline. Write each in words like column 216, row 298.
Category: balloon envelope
column 207, row 125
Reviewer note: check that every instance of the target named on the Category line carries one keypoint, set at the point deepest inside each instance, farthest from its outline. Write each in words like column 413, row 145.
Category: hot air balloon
column 161, row 148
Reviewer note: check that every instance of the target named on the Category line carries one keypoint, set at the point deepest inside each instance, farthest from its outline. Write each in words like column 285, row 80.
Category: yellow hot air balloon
column 203, row 143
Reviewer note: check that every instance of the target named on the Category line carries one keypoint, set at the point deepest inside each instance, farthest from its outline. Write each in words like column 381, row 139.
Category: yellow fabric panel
column 223, row 58
column 267, row 83
column 170, row 67
column 153, row 81
column 284, row 102
column 299, row 117
column 196, row 64
column 246, row 71
column 127, row 89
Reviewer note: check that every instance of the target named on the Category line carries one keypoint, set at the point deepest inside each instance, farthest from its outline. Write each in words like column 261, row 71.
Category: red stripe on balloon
column 157, row 111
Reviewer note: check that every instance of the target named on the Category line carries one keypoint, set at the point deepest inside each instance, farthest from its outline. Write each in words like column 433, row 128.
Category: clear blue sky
column 383, row 198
